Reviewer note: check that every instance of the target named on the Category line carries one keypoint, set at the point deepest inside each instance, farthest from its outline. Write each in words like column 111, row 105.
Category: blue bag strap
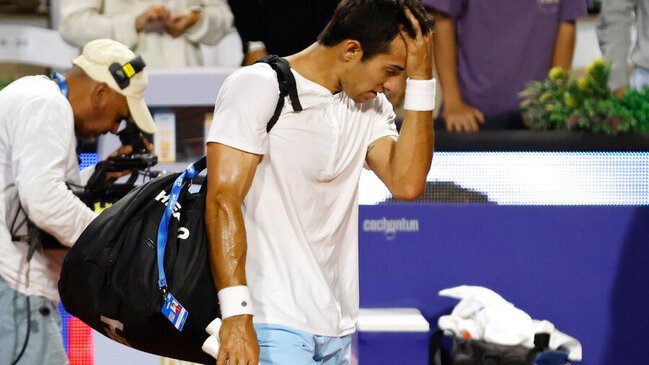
column 163, row 229
column 288, row 87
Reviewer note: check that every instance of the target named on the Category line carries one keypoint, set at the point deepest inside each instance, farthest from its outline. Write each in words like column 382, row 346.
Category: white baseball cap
column 110, row 62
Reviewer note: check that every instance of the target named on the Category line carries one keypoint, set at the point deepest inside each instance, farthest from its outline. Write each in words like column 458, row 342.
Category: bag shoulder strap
column 287, row 86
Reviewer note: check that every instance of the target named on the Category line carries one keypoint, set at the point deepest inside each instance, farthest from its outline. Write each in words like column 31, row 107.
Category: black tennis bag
column 110, row 278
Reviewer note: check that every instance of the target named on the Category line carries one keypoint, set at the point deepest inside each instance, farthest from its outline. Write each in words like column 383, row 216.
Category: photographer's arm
column 101, row 174
column 231, row 175
column 126, row 150
column 43, row 155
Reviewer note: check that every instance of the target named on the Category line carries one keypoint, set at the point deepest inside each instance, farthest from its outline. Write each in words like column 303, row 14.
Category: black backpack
column 479, row 352
column 109, row 278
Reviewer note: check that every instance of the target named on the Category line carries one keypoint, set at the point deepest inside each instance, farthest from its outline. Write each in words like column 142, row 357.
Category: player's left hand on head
column 419, row 64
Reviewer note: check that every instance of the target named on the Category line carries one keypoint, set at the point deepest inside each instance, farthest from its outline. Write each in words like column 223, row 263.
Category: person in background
column 280, row 27
column 487, row 51
column 166, row 33
column 281, row 209
column 614, row 34
column 40, row 121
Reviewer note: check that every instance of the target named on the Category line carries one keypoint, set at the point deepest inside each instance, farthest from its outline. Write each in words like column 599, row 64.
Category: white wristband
column 235, row 301
column 420, row 95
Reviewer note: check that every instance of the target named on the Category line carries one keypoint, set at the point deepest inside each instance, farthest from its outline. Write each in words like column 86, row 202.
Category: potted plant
column 585, row 104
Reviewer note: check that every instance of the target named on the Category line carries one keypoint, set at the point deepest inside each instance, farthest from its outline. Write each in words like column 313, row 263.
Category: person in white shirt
column 40, row 121
column 281, row 209
column 166, row 33
column 614, row 24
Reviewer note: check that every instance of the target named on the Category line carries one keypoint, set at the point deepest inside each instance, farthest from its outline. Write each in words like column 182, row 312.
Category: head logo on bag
column 163, row 197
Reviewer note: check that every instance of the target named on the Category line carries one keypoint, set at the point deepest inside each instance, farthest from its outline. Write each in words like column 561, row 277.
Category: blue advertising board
column 583, row 268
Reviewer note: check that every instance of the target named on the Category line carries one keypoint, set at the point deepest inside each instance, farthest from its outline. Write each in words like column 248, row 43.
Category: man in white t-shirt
column 40, row 121
column 281, row 213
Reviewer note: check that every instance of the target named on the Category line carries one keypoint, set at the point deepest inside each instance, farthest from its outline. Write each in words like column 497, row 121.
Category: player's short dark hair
column 373, row 23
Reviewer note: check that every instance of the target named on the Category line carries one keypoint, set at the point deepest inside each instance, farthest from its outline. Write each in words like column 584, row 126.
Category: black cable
column 14, row 230
column 69, row 184
column 29, row 328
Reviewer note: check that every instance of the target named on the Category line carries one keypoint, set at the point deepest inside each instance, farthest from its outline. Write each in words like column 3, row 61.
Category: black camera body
column 99, row 189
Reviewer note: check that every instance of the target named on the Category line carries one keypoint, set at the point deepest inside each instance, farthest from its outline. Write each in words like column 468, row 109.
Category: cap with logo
column 111, row 62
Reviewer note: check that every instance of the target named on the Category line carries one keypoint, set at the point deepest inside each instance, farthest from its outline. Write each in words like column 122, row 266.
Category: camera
column 101, row 192
column 139, row 163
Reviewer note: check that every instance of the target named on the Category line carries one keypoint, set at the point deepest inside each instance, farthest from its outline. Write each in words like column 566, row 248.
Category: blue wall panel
column 584, row 268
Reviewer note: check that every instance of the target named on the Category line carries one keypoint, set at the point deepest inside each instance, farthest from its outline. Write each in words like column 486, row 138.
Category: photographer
column 40, row 121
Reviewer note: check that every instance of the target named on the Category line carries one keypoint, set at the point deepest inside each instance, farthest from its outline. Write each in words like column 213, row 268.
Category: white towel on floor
column 482, row 314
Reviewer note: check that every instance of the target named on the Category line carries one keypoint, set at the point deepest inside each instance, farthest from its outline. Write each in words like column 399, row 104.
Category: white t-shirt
column 37, row 157
column 301, row 213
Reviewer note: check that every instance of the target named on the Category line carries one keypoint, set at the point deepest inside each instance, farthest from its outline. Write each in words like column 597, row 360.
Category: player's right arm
column 237, row 140
column 230, row 178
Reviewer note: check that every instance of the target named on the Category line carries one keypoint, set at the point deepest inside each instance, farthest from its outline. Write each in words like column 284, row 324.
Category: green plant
column 637, row 102
column 544, row 105
column 586, row 104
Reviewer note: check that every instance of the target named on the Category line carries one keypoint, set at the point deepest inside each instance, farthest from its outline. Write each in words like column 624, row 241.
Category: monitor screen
column 528, row 178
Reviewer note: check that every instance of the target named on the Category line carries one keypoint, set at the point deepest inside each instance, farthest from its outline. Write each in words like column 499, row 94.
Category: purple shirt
column 504, row 44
